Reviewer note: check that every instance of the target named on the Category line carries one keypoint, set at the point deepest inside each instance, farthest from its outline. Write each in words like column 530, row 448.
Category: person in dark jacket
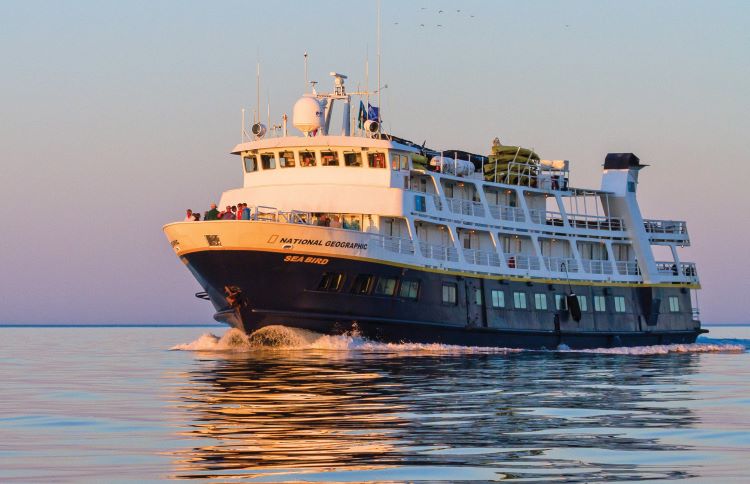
column 212, row 214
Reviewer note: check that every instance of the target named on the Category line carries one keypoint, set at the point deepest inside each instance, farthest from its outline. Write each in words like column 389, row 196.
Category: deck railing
column 665, row 227
column 627, row 268
column 466, row 207
column 597, row 266
column 522, row 262
column 507, row 213
column 482, row 257
column 439, row 252
column 560, row 264
column 393, row 244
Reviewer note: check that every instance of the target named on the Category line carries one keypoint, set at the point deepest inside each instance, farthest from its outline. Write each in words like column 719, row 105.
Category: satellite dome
column 307, row 114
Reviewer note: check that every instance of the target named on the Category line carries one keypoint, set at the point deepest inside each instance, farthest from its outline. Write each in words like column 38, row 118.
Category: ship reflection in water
column 413, row 414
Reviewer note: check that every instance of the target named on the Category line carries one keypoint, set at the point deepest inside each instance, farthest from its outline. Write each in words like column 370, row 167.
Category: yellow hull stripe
column 573, row 282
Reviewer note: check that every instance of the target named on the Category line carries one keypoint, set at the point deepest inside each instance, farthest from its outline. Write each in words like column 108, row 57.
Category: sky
column 117, row 116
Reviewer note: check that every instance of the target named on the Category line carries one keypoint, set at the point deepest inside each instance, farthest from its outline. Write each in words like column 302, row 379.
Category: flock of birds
column 440, row 12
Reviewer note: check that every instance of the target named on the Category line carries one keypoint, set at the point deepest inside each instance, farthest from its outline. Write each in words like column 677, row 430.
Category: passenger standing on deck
column 227, row 214
column 245, row 212
column 196, row 217
column 212, row 214
column 188, row 215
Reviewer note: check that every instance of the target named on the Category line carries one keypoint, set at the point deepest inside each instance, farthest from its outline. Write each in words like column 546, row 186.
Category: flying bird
column 440, row 11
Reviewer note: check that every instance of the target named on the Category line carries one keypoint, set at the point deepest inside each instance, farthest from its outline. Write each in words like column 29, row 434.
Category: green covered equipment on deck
column 512, row 164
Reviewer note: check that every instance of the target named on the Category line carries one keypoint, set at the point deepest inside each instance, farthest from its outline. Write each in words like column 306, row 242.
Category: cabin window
column 448, row 190
column 519, row 300
column 409, row 289
column 362, row 284
column 376, row 160
column 286, row 159
column 540, row 301
column 331, row 281
column 395, row 162
column 353, row 159
column 619, row 304
column 386, row 286
column 404, row 162
column 498, row 298
column 250, row 164
column 583, row 303
column 674, row 304
column 307, row 158
column 560, row 302
column 329, row 158
column 478, row 297
column 268, row 161
column 600, row 304
column 449, row 293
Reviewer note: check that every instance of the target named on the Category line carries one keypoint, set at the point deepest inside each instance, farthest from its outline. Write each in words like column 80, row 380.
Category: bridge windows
column 268, row 161
column 329, row 158
column 352, row 158
column 306, row 158
column 376, row 160
column 286, row 159
column 251, row 163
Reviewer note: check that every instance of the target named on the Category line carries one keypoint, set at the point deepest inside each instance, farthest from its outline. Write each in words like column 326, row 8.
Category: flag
column 362, row 116
column 373, row 112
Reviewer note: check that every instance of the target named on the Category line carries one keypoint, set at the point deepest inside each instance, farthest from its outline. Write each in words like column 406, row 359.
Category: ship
column 360, row 230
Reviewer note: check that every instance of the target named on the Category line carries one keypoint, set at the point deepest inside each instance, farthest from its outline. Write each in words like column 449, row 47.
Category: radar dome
column 307, row 114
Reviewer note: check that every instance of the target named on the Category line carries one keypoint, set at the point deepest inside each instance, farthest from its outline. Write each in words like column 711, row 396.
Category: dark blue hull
column 252, row 289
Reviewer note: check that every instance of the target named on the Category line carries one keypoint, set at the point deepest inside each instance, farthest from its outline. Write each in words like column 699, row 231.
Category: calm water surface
column 113, row 404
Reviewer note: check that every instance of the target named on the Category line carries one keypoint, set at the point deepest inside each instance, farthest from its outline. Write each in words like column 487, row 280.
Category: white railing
column 466, row 207
column 627, row 268
column 685, row 269
column 560, row 264
column 665, row 227
column 522, row 262
column 482, row 257
column 508, row 213
column 439, row 252
column 596, row 266
column 393, row 244
column 595, row 222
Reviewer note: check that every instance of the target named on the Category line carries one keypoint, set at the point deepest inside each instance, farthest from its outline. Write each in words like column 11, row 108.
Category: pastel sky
column 117, row 116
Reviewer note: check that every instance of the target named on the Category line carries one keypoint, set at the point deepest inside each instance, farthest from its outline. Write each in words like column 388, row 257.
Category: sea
column 149, row 404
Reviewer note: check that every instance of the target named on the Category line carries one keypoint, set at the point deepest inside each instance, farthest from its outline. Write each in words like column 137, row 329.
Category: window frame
column 311, row 162
column 254, row 159
column 373, row 155
column 357, row 154
column 272, row 160
column 287, row 159
column 518, row 298
column 620, row 304
column 540, row 297
column 583, row 302
column 674, row 308
column 325, row 283
column 498, row 302
column 600, row 303
column 377, row 291
column 410, row 284
column 367, row 279
column 452, row 288
column 324, row 154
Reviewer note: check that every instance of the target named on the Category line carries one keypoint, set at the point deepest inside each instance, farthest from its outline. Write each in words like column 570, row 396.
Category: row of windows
column 408, row 288
column 540, row 300
column 308, row 158
column 368, row 284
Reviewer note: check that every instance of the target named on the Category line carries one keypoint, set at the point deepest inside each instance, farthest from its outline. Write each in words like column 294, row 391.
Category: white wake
column 286, row 338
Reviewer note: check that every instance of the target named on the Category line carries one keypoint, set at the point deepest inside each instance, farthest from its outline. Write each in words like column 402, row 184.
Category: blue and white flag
column 373, row 112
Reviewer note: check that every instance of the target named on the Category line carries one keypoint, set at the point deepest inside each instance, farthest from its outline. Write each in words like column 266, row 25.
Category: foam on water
column 286, row 338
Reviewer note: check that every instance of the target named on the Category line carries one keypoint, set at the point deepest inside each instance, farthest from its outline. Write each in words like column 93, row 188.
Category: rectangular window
column 362, row 284
column 583, row 303
column 307, row 158
column 674, row 304
column 404, row 162
column 420, row 204
column 519, row 300
column 386, row 286
column 353, row 159
column 376, row 160
column 449, row 293
column 395, row 161
column 619, row 304
column 331, row 281
column 409, row 289
column 268, row 161
column 540, row 301
column 498, row 299
column 561, row 304
column 250, row 164
column 600, row 304
column 329, row 158
column 478, row 297
column 286, row 159
column 448, row 189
